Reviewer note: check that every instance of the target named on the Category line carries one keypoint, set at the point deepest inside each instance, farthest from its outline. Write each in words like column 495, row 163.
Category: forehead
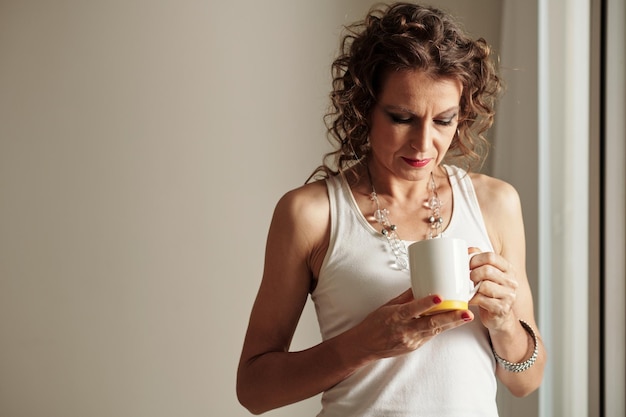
column 410, row 87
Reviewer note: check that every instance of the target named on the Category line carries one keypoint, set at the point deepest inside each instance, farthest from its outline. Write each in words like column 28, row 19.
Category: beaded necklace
column 389, row 230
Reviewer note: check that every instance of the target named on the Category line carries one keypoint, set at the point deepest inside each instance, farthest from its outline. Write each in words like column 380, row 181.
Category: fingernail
column 437, row 300
column 466, row 316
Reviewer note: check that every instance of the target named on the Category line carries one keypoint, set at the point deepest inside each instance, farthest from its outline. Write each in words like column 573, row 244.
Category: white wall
column 143, row 145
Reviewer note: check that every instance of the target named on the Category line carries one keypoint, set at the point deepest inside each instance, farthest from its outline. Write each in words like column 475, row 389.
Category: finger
column 496, row 307
column 472, row 252
column 489, row 272
column 494, row 299
column 438, row 323
column 416, row 308
column 405, row 297
column 490, row 258
column 473, row 249
column 493, row 291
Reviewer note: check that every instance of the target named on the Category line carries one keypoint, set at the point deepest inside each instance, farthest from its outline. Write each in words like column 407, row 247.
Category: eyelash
column 401, row 121
column 444, row 122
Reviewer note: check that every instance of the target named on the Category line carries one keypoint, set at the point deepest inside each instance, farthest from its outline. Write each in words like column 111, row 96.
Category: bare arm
column 505, row 296
column 271, row 376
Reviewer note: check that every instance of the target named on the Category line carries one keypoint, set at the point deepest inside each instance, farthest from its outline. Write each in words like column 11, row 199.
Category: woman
column 412, row 98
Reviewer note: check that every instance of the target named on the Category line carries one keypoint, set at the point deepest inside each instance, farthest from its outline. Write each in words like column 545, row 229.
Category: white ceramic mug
column 441, row 266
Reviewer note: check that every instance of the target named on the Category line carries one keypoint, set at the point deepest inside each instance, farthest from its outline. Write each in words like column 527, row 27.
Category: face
column 413, row 123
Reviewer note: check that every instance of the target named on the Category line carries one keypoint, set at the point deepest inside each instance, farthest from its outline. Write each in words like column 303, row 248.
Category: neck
column 432, row 203
column 399, row 190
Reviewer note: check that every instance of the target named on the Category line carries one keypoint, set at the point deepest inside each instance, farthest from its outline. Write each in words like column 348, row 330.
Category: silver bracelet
column 520, row 366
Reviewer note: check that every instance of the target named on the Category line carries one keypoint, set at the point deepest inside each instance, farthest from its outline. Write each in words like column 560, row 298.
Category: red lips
column 417, row 163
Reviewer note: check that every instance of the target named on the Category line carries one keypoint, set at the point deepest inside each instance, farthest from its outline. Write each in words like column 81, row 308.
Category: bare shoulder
column 306, row 205
column 501, row 208
column 302, row 223
column 495, row 195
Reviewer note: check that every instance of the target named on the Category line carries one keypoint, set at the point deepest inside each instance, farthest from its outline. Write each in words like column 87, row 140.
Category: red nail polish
column 466, row 317
column 437, row 300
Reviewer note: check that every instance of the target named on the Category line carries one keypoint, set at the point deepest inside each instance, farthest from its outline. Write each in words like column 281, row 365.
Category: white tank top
column 451, row 375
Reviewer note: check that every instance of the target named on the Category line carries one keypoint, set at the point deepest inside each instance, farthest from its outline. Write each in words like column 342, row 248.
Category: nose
column 422, row 137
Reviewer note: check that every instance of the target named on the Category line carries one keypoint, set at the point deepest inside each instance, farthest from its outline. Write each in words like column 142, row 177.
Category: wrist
column 351, row 351
column 506, row 328
column 530, row 358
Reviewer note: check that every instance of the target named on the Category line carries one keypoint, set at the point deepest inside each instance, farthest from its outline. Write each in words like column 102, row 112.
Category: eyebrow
column 405, row 110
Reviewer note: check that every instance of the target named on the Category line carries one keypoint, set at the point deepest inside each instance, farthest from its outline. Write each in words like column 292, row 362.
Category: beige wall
column 143, row 145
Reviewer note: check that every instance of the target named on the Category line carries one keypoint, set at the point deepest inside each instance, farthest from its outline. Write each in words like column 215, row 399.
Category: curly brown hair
column 405, row 36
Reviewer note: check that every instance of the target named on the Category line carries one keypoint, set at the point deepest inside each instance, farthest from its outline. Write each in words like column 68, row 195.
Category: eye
column 399, row 119
column 444, row 122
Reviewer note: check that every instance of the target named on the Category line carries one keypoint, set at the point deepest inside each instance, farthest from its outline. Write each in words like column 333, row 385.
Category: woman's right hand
column 398, row 326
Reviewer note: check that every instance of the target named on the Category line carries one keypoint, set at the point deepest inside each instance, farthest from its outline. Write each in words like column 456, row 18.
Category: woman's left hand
column 498, row 289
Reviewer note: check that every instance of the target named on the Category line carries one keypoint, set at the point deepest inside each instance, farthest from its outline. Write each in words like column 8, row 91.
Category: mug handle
column 477, row 286
column 475, row 290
